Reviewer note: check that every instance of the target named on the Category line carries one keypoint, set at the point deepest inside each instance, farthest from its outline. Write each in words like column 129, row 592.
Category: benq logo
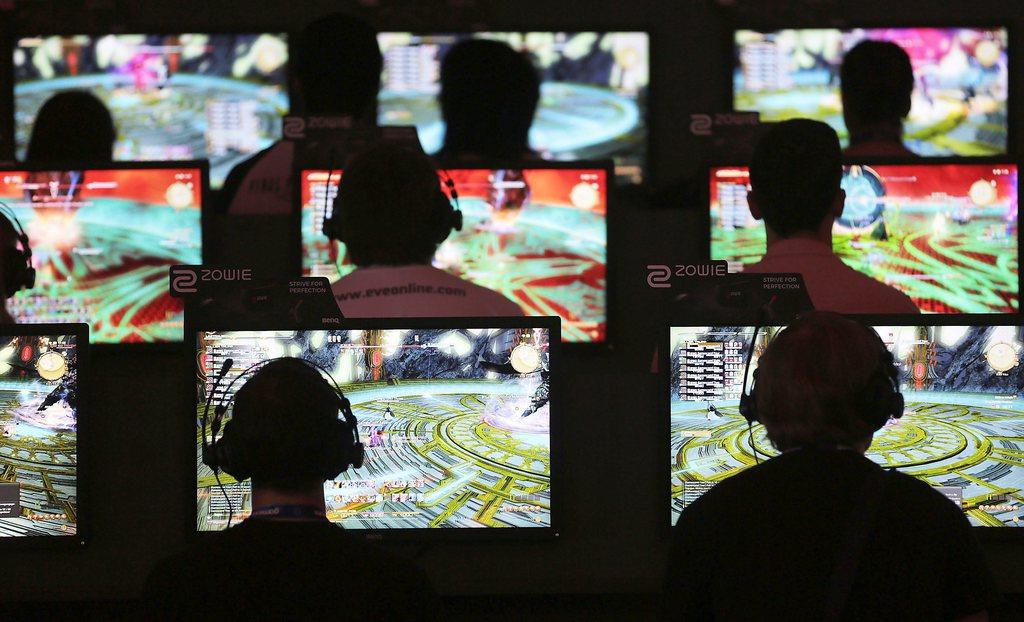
column 294, row 127
column 183, row 280
column 700, row 124
column 658, row 276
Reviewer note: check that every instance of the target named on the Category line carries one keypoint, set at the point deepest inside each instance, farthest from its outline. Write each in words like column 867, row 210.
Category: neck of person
column 823, row 234
column 876, row 132
column 310, row 496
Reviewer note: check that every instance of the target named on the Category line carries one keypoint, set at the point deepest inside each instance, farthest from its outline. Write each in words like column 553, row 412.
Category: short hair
column 815, row 380
column 337, row 62
column 877, row 80
column 281, row 416
column 795, row 174
column 387, row 206
column 72, row 126
column 489, row 95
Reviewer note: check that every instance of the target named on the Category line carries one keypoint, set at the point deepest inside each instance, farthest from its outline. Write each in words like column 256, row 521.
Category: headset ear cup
column 230, row 455
column 748, row 402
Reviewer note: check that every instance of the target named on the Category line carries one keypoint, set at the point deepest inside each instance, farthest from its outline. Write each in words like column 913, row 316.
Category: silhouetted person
column 820, row 532
column 392, row 216
column 335, row 68
column 489, row 94
column 287, row 561
column 72, row 126
column 877, row 81
column 16, row 272
column 795, row 174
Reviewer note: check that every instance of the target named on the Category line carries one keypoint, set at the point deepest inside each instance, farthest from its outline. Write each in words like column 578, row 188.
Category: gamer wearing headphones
column 16, row 271
column 290, row 431
column 392, row 216
column 820, row 532
column 795, row 174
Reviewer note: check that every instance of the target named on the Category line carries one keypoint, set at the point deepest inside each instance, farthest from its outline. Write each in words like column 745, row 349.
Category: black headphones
column 881, row 400
column 340, row 443
column 446, row 216
column 18, row 271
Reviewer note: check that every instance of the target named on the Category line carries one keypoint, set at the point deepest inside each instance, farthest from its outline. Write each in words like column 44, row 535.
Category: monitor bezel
column 295, row 226
column 897, row 319
column 205, row 194
column 17, row 34
column 707, row 223
column 82, row 439
column 647, row 168
column 551, row 323
column 767, row 25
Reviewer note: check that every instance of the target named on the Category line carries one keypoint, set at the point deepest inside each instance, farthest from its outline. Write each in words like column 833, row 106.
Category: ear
column 755, row 206
column 838, row 203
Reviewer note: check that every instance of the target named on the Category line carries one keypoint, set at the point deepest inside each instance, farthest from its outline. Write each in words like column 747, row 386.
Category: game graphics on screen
column 38, row 436
column 456, row 424
column 944, row 234
column 593, row 91
column 102, row 241
column 537, row 236
column 962, row 431
column 173, row 97
column 959, row 103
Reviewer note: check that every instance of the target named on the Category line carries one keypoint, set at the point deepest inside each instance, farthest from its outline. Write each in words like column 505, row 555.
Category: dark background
column 608, row 561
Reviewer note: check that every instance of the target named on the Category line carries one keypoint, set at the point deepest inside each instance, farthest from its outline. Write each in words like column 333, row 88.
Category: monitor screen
column 173, row 97
column 959, row 102
column 102, row 241
column 39, row 369
column 944, row 234
column 593, row 101
column 536, row 235
column 961, row 431
column 455, row 423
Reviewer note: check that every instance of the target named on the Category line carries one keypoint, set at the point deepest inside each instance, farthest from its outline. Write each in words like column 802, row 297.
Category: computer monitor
column 593, row 92
column 959, row 103
column 40, row 368
column 457, row 417
column 536, row 233
column 961, row 432
column 185, row 96
column 944, row 233
column 102, row 240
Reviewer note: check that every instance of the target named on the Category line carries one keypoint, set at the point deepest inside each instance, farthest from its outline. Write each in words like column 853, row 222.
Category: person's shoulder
column 884, row 298
column 493, row 302
column 921, row 500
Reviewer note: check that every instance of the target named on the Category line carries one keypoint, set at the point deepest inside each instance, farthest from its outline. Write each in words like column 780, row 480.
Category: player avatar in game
column 388, row 413
column 507, row 194
column 713, row 412
column 541, row 395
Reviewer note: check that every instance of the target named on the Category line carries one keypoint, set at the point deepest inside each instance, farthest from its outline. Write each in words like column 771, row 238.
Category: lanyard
column 289, row 512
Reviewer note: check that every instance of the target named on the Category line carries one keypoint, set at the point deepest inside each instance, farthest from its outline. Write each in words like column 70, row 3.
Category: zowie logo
column 184, row 279
column 660, row 275
column 294, row 127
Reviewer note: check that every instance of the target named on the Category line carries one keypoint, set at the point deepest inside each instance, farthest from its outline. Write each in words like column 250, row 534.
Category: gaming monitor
column 961, row 431
column 40, row 367
column 102, row 241
column 173, row 96
column 456, row 416
column 959, row 103
column 538, row 235
column 944, row 233
column 593, row 101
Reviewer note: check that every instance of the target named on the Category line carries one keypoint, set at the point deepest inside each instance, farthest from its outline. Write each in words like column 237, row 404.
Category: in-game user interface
column 38, row 435
column 961, row 431
column 959, row 102
column 186, row 96
column 593, row 91
column 537, row 236
column 455, row 422
column 944, row 234
column 102, row 241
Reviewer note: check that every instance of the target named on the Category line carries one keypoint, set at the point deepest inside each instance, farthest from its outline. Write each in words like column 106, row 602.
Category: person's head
column 825, row 380
column 72, row 125
column 877, row 81
column 390, row 209
column 16, row 271
column 335, row 67
column 285, row 429
column 794, row 178
column 489, row 94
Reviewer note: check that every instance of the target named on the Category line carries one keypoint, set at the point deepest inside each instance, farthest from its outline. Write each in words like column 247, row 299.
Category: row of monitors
column 221, row 96
column 945, row 233
column 460, row 419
